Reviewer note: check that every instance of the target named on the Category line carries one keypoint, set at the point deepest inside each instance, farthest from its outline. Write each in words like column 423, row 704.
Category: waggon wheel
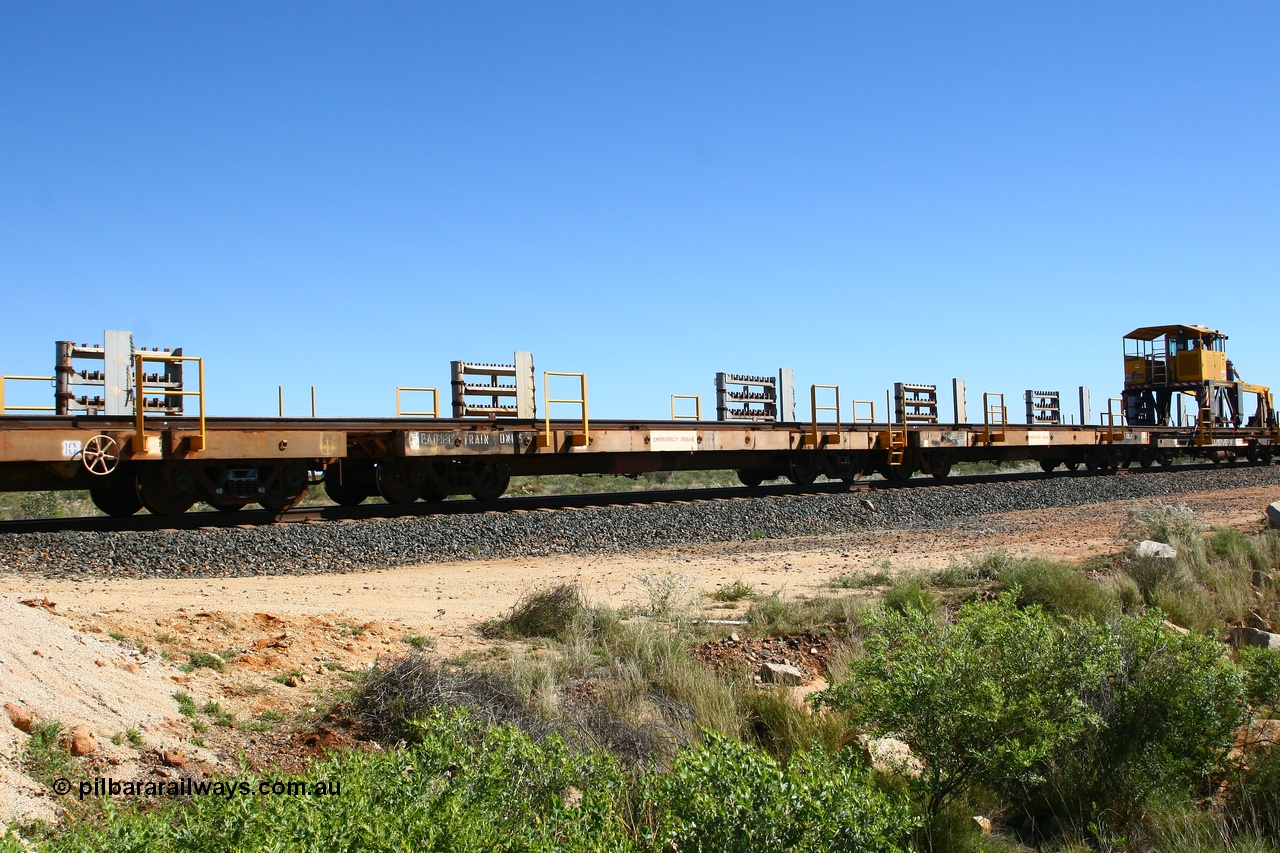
column 287, row 491
column 166, row 492
column 1047, row 465
column 491, row 483
column 397, row 484
column 345, row 493
column 227, row 505
column 802, row 472
column 896, row 473
column 751, row 477
column 118, row 498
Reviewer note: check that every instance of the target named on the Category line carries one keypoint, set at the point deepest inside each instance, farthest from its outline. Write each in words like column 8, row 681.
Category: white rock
column 890, row 755
column 779, row 673
column 1254, row 637
column 1147, row 548
column 1273, row 514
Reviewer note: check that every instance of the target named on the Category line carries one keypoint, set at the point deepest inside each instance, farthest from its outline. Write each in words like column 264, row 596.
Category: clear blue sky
column 350, row 195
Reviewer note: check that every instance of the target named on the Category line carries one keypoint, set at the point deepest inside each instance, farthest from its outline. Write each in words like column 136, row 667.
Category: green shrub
column 773, row 614
column 1058, row 588
column 726, row 796
column 466, row 785
column 910, row 593
column 1253, row 794
column 1261, row 676
column 735, row 591
column 980, row 700
column 545, row 612
column 197, row 659
column 1161, row 724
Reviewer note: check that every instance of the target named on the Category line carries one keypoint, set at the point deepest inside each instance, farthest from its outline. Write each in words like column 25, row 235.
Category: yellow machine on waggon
column 1181, row 376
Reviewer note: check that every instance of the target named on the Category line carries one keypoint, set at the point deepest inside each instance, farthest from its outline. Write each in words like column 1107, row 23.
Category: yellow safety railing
column 583, row 440
column 813, row 439
column 697, row 404
column 1111, row 419
column 994, row 415
column 435, row 403
column 4, row 379
column 194, row 443
column 870, row 418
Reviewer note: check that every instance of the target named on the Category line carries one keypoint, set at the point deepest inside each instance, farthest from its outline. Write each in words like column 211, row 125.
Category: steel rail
column 212, row 519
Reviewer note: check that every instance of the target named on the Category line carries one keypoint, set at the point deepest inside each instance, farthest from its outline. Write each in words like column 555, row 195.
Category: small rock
column 733, row 638
column 890, row 755
column 866, row 504
column 1254, row 637
column 1273, row 514
column 173, row 757
column 20, row 717
column 80, row 740
column 1262, row 580
column 100, row 662
column 983, row 823
column 1169, row 626
column 780, row 673
column 132, row 667
column 1147, row 548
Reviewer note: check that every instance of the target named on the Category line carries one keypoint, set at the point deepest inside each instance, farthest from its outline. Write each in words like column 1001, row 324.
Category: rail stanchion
column 813, row 439
column 545, row 440
column 4, row 379
column 435, row 403
column 195, row 443
column 697, row 407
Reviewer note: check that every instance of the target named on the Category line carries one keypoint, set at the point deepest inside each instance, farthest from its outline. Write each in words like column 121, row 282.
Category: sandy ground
column 291, row 640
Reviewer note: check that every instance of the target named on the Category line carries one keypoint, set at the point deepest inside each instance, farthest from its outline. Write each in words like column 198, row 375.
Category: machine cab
column 1167, row 355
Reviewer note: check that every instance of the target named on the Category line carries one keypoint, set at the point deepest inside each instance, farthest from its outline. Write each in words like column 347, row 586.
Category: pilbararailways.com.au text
column 107, row 787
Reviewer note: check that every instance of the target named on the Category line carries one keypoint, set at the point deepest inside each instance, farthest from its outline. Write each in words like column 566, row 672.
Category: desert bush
column 1253, row 795
column 735, row 591
column 1058, row 588
column 1159, row 727
column 910, row 593
column 727, row 796
column 547, row 612
column 670, row 595
column 979, row 700
column 1162, row 523
column 1261, row 676
column 777, row 615
column 395, row 694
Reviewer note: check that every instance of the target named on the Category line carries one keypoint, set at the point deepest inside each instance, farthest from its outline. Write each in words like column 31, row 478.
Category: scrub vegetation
column 1070, row 707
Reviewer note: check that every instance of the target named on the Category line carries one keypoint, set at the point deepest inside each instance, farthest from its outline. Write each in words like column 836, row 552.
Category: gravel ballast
column 299, row 549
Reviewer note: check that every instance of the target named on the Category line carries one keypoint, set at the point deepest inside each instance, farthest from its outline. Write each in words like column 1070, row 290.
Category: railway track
column 211, row 519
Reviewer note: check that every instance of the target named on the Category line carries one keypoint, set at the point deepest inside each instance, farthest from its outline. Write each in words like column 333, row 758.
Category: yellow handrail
column 872, row 418
column 815, row 408
column 1111, row 419
column 576, row 440
column 697, row 403
column 435, row 403
column 139, row 404
column 4, row 379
